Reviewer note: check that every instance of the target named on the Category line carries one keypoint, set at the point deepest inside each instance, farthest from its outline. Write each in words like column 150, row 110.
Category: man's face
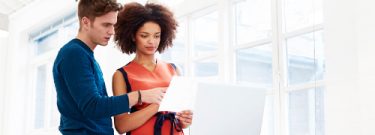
column 102, row 28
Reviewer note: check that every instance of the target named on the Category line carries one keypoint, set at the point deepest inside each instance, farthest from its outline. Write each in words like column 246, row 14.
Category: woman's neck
column 146, row 60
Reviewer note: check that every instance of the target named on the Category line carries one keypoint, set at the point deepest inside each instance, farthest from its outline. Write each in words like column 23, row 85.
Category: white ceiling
column 8, row 7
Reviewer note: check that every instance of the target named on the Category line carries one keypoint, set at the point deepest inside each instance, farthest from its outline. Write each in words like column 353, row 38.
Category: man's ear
column 85, row 22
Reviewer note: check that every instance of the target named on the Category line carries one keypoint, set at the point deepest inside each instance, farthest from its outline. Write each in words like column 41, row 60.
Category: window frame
column 227, row 50
column 44, row 59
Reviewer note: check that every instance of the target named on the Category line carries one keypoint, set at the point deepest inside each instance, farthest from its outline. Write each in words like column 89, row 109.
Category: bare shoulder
column 118, row 84
column 117, row 75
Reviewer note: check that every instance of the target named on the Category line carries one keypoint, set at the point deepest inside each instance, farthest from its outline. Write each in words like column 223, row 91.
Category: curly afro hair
column 134, row 15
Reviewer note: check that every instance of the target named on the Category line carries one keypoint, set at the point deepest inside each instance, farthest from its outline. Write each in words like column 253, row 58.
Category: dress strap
column 174, row 66
column 125, row 75
column 128, row 86
column 128, row 89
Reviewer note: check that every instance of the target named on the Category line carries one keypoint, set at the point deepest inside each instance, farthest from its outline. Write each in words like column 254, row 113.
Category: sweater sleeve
column 78, row 73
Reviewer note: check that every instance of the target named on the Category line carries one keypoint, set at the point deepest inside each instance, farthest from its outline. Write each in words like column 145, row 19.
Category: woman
column 145, row 30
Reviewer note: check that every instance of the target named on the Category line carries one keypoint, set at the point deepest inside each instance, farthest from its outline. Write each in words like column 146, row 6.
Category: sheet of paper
column 180, row 95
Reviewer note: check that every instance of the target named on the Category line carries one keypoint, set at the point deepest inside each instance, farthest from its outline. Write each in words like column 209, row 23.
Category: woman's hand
column 185, row 118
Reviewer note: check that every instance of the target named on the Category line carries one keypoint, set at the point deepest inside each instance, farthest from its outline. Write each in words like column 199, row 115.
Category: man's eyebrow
column 108, row 23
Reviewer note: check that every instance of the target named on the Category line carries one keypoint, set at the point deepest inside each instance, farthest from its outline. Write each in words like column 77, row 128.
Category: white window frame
column 46, row 58
column 227, row 51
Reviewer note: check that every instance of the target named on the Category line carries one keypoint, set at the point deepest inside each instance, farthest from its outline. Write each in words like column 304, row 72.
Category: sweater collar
column 83, row 45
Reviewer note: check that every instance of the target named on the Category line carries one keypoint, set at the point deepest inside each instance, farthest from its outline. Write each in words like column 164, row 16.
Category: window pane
column 46, row 43
column 206, row 68
column 205, row 33
column 68, row 32
column 253, row 20
column 305, row 58
column 45, row 113
column 302, row 13
column 268, row 116
column 40, row 96
column 54, row 112
column 306, row 112
column 177, row 53
column 56, row 39
column 254, row 65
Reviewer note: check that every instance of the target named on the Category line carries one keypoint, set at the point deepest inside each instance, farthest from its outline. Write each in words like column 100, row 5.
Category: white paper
column 180, row 95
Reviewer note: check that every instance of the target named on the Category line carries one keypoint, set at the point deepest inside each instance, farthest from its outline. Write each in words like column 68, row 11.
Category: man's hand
column 154, row 95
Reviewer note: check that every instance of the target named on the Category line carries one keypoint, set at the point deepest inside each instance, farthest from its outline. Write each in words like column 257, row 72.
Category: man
column 82, row 99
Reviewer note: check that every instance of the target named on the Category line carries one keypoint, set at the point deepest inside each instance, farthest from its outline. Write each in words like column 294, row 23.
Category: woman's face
column 147, row 38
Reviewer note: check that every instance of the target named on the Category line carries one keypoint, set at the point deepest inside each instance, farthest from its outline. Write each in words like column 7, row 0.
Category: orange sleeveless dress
column 140, row 78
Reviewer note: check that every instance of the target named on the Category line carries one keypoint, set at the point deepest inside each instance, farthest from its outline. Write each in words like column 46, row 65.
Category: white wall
column 350, row 49
column 366, row 63
column 3, row 47
column 342, row 92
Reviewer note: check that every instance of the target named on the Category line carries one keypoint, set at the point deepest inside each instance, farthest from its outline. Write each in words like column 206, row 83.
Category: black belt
column 171, row 116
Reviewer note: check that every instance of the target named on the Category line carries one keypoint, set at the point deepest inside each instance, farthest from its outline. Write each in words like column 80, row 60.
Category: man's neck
column 84, row 38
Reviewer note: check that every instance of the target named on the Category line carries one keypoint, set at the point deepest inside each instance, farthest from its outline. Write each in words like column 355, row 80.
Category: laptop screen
column 227, row 109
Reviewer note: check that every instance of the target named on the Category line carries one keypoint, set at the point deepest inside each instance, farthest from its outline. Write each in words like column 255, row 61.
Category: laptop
column 227, row 109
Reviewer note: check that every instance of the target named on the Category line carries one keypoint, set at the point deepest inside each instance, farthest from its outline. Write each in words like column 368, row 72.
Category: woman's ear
column 133, row 38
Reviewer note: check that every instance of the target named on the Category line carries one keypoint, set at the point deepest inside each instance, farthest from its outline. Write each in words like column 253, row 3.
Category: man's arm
column 79, row 76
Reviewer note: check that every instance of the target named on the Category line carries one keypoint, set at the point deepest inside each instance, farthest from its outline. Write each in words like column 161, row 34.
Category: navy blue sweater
column 82, row 98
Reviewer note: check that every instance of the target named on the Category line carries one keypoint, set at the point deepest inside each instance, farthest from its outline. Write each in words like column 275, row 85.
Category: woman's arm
column 126, row 122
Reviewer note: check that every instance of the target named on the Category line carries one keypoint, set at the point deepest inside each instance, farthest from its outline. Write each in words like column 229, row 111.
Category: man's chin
column 103, row 44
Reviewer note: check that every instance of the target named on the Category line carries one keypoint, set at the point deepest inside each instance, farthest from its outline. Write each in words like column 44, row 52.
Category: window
column 177, row 54
column 254, row 65
column 301, row 51
column 206, row 68
column 275, row 45
column 306, row 112
column 205, row 29
column 254, row 51
column 46, row 44
column 45, row 114
column 299, row 14
column 253, row 21
column 40, row 97
column 205, row 43
column 304, row 63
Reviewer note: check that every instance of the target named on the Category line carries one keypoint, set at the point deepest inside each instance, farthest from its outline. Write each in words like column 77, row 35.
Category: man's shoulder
column 72, row 48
